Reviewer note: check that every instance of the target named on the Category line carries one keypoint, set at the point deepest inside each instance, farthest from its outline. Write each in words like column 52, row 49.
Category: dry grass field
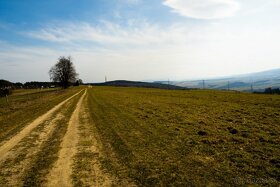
column 113, row 136
column 188, row 138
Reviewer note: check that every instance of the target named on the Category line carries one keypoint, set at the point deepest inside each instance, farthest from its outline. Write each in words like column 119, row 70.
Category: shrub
column 5, row 91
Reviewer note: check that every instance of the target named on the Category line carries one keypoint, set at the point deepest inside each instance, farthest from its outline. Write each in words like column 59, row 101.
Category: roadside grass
column 197, row 137
column 25, row 106
column 44, row 159
column 32, row 91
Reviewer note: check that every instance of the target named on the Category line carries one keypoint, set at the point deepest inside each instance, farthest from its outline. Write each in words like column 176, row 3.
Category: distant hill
column 125, row 83
column 257, row 81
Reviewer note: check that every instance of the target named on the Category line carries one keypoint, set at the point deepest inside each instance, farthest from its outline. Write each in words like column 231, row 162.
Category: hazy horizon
column 139, row 39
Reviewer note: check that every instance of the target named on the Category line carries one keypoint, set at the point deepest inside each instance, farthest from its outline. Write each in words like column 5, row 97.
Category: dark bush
column 272, row 91
column 5, row 91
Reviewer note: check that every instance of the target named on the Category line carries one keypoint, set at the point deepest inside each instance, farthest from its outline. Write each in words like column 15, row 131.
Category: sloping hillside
column 247, row 82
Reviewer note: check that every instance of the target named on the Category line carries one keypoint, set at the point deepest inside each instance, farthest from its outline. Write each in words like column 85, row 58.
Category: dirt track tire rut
column 8, row 145
column 60, row 175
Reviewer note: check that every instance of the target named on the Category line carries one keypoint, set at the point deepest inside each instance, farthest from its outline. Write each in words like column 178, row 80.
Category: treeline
column 34, row 84
column 4, row 84
column 6, row 87
column 272, row 91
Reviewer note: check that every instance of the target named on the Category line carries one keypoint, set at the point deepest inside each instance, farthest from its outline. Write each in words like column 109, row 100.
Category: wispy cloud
column 134, row 33
column 204, row 9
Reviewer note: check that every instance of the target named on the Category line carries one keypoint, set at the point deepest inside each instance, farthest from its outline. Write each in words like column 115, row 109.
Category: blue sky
column 139, row 39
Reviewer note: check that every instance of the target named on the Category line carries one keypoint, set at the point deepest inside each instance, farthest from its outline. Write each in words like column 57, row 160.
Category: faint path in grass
column 87, row 167
column 60, row 175
column 109, row 164
column 7, row 146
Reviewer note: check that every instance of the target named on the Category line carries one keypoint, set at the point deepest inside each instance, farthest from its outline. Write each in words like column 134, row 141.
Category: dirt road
column 60, row 175
column 51, row 150
column 4, row 149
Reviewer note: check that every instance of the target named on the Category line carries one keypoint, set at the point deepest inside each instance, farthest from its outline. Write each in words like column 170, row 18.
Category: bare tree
column 63, row 72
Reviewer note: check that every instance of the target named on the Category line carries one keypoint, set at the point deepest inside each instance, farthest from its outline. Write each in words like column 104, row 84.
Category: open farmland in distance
column 120, row 136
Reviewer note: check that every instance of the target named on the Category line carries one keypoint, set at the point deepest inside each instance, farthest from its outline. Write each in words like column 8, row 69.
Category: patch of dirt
column 8, row 145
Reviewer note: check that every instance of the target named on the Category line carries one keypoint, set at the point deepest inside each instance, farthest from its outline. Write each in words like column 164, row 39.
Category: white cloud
column 204, row 9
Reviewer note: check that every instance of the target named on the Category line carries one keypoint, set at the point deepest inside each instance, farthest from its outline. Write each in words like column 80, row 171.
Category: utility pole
column 252, row 87
column 105, row 78
column 168, row 84
column 203, row 82
column 228, row 85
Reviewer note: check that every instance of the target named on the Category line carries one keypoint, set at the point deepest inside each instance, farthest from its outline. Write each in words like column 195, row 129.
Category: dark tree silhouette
column 78, row 82
column 63, row 72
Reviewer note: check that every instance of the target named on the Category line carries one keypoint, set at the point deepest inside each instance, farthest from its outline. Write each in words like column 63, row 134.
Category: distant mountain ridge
column 245, row 82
